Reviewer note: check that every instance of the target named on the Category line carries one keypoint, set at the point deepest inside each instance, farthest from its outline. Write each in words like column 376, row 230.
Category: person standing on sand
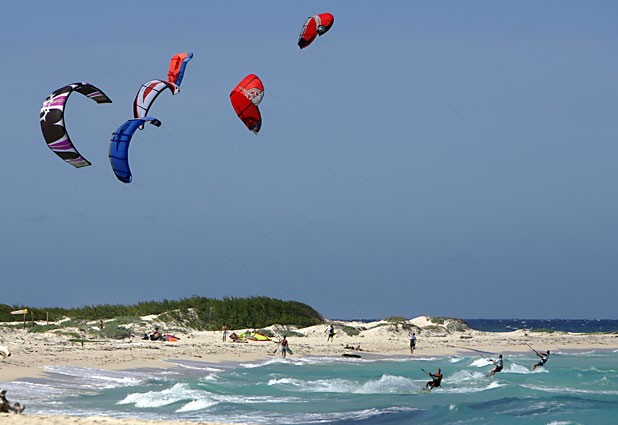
column 331, row 333
column 412, row 336
column 100, row 325
column 284, row 347
column 499, row 365
column 224, row 331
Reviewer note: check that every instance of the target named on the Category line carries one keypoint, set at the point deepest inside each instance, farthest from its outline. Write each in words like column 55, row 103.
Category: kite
column 147, row 94
column 150, row 90
column 177, row 67
column 52, row 121
column 245, row 98
column 314, row 26
column 119, row 146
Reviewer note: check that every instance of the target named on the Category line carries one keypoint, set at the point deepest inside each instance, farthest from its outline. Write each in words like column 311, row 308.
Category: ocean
column 573, row 388
column 564, row 325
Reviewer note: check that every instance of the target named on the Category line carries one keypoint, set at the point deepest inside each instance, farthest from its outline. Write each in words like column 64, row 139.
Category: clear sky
column 446, row 158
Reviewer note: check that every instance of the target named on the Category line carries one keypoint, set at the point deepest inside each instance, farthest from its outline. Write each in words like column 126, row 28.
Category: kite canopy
column 245, row 97
column 177, row 67
column 150, row 90
column 147, row 94
column 119, row 146
column 52, row 121
column 314, row 26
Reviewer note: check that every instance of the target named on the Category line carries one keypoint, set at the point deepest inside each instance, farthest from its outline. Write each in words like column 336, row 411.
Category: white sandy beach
column 32, row 352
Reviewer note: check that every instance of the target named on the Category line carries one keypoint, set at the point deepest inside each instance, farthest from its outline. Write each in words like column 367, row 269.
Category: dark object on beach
column 8, row 407
column 356, row 356
column 351, row 347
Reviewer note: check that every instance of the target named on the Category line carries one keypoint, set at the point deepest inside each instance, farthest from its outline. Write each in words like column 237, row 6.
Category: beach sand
column 32, row 352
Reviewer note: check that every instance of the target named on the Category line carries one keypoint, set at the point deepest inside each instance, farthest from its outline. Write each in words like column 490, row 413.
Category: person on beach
column 412, row 336
column 224, row 331
column 499, row 365
column 351, row 347
column 436, row 380
column 156, row 335
column 543, row 356
column 331, row 333
column 100, row 325
column 7, row 407
column 284, row 346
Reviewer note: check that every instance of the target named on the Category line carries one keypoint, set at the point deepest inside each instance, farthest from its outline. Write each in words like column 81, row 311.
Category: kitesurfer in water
column 499, row 365
column 436, row 380
column 543, row 356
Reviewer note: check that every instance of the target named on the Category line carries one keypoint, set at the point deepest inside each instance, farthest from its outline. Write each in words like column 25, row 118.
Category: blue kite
column 119, row 146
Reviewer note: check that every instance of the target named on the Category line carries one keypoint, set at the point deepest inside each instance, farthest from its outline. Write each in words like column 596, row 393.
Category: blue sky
column 443, row 158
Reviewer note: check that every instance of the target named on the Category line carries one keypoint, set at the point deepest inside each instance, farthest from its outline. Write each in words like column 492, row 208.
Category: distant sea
column 574, row 387
column 564, row 325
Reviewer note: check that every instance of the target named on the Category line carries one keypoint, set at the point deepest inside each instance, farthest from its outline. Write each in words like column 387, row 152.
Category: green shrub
column 43, row 328
column 196, row 312
column 395, row 319
column 115, row 332
column 349, row 330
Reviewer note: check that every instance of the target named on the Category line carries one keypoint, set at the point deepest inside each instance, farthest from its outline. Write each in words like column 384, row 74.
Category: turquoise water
column 574, row 388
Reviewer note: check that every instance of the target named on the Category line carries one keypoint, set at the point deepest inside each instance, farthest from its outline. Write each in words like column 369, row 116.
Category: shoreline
column 32, row 352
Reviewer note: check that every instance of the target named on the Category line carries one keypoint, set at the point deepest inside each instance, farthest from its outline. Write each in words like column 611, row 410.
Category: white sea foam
column 201, row 368
column 465, row 376
column 482, row 362
column 96, row 378
column 517, row 368
column 195, row 399
column 386, row 384
column 569, row 390
column 194, row 405
column 469, row 389
column 164, row 397
column 285, row 381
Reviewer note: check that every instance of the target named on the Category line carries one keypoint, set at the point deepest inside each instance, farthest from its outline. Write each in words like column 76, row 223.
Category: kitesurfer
column 436, row 380
column 543, row 356
column 499, row 365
